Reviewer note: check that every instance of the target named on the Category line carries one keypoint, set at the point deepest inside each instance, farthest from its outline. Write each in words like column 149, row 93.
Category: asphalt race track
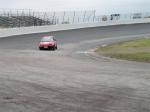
column 73, row 78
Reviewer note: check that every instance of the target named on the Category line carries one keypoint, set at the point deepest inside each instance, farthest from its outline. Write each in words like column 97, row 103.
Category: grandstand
column 21, row 18
column 21, row 21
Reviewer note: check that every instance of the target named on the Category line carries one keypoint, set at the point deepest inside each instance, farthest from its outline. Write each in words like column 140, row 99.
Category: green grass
column 137, row 50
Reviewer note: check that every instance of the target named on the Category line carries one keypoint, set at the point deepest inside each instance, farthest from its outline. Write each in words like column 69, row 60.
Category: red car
column 48, row 42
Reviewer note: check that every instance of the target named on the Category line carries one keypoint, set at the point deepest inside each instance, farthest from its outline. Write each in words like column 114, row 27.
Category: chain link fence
column 24, row 18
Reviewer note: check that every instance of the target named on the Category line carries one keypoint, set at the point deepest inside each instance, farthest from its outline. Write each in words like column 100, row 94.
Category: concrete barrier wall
column 40, row 29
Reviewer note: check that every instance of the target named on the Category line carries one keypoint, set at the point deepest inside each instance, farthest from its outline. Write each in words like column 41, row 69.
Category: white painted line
column 84, row 52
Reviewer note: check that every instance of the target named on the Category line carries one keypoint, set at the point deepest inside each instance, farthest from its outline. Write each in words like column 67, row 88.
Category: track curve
column 69, row 80
column 30, row 41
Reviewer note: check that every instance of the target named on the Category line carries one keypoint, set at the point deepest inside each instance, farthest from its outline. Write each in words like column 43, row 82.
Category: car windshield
column 46, row 39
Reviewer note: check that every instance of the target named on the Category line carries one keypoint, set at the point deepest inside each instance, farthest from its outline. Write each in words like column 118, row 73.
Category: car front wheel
column 55, row 47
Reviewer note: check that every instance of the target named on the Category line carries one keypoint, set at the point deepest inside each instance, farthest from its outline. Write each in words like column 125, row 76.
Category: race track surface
column 73, row 78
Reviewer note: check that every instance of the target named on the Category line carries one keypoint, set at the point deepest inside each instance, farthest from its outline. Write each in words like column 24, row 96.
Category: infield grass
column 137, row 50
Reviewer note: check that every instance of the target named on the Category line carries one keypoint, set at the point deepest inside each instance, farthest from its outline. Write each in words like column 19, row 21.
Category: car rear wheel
column 53, row 48
column 40, row 48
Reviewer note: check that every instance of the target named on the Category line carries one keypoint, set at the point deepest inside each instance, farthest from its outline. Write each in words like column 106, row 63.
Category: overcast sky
column 101, row 6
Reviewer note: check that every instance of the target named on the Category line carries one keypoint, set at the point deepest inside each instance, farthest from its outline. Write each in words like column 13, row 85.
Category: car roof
column 47, row 38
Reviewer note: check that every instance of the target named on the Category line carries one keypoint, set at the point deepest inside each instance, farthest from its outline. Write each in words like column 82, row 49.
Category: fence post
column 64, row 16
column 84, row 16
column 94, row 16
column 78, row 20
column 74, row 16
column 54, row 18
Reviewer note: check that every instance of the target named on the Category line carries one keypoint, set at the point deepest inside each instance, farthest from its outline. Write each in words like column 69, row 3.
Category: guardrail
column 51, row 28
